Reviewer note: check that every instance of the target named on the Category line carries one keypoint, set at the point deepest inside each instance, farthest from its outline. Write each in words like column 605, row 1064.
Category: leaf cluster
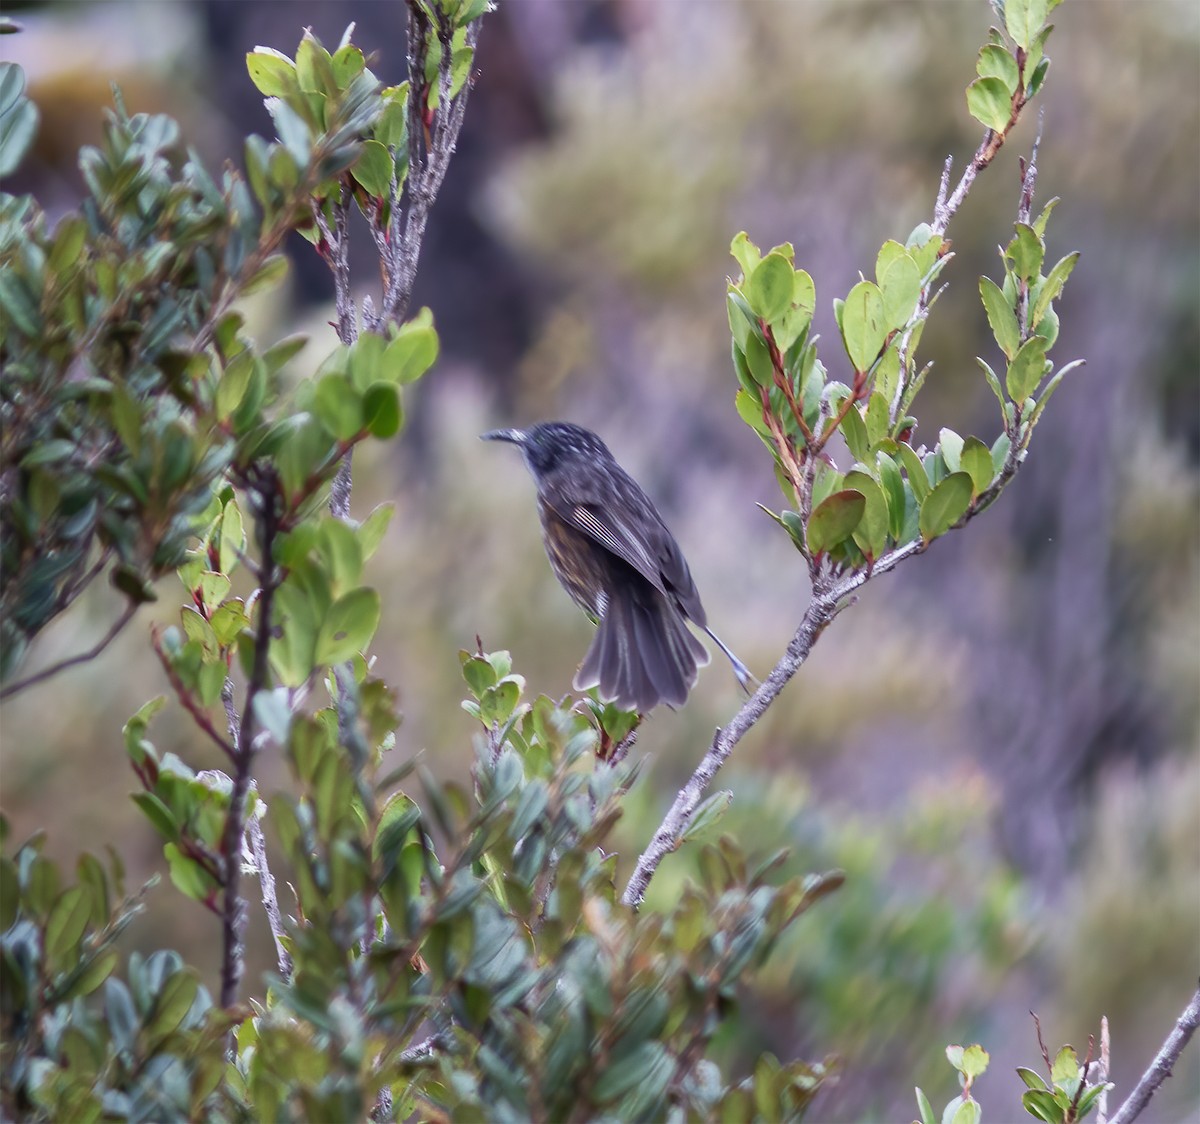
column 128, row 387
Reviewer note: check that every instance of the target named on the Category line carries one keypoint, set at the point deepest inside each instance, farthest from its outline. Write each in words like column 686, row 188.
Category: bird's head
column 548, row 444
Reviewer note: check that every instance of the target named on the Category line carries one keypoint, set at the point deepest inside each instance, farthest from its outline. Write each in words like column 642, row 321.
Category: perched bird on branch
column 611, row 551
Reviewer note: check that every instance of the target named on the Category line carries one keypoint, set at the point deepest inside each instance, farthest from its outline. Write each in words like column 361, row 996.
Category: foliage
column 1064, row 1097
column 452, row 954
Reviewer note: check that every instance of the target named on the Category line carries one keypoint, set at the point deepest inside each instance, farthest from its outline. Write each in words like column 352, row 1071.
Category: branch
column 1164, row 1062
column 820, row 612
column 233, row 917
column 829, row 599
column 11, row 689
column 258, row 845
column 428, row 162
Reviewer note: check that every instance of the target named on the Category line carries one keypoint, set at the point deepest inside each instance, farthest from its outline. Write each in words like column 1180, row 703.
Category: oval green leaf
column 864, row 324
column 945, row 505
column 348, row 626
column 769, row 289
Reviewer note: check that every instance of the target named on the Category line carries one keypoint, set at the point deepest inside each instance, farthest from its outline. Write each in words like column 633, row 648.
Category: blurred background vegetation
column 1001, row 742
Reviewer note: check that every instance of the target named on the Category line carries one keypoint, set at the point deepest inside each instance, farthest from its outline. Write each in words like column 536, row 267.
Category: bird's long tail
column 742, row 672
column 642, row 654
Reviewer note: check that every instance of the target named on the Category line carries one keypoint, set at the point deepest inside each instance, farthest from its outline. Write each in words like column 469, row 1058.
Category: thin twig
column 11, row 689
column 1105, row 1070
column 1164, row 1062
column 258, row 845
column 1037, row 1025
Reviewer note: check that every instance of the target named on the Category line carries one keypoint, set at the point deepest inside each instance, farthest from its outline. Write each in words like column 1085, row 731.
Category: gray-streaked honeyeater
column 611, row 551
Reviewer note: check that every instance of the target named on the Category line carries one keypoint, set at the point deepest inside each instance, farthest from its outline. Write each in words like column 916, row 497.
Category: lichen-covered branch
column 1164, row 1062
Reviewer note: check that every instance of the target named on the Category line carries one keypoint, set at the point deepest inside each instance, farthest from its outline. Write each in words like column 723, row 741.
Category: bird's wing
column 620, row 517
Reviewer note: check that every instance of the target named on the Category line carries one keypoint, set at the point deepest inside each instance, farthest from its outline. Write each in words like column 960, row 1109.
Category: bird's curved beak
column 516, row 436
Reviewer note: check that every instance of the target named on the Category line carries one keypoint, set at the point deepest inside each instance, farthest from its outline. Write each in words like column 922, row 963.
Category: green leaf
column 348, row 626
column 996, row 62
column 372, row 529
column 745, row 252
column 348, row 63
column 914, row 470
column 872, row 530
column 893, row 487
column 172, row 1004
column 1065, row 1066
column 901, row 288
column 1052, row 287
column 834, row 519
column 1031, row 1079
column 374, row 168
column 758, row 359
column 187, row 876
column 1041, row 1105
column 1023, row 19
column 1026, row 252
column 273, row 73
column 12, row 85
column 158, row 814
column 976, row 461
column 382, row 413
column 967, row 1112
column 769, row 288
column 854, row 432
column 314, row 67
column 338, row 406
column 18, row 127
column 1000, row 316
column 64, row 927
column 993, row 381
column 945, row 505
column 974, row 1061
column 231, row 388
column 366, row 359
column 864, row 324
column 950, row 446
column 292, row 130
column 1039, row 224
column 18, row 307
column 990, row 103
column 233, row 537
column 410, row 354
column 925, row 1108
column 1026, row 369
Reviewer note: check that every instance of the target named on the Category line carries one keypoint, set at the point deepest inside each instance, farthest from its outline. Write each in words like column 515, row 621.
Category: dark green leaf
column 382, row 414
column 374, row 169
column 834, row 519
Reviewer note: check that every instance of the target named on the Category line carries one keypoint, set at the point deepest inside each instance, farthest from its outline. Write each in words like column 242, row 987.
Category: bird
column 612, row 552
